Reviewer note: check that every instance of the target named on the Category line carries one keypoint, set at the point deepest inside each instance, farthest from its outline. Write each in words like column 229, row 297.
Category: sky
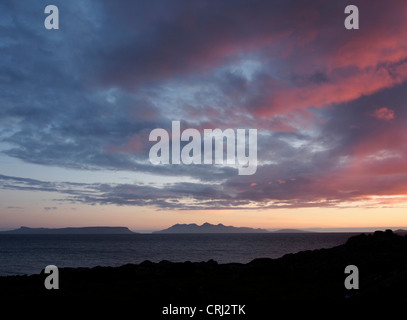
column 78, row 103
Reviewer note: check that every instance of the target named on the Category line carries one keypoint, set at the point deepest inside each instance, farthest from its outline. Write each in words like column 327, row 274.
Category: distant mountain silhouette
column 83, row 230
column 401, row 231
column 209, row 228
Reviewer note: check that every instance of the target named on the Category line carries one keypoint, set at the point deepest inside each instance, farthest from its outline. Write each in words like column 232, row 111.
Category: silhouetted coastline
column 70, row 230
column 309, row 275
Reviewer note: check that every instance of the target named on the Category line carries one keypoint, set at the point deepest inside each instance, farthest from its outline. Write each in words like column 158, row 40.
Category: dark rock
column 309, row 275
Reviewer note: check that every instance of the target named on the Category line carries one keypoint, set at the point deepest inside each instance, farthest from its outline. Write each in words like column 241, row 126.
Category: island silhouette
column 71, row 230
column 209, row 228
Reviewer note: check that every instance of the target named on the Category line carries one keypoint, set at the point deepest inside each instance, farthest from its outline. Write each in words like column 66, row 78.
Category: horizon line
column 308, row 229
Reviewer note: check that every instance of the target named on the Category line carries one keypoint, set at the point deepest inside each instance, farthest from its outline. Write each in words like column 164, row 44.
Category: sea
column 29, row 254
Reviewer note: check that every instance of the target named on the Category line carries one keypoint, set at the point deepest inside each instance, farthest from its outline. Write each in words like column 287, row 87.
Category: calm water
column 28, row 254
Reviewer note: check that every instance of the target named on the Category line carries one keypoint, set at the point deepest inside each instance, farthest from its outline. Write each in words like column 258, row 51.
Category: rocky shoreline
column 309, row 275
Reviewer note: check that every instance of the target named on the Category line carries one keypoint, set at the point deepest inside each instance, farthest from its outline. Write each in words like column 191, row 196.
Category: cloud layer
column 328, row 103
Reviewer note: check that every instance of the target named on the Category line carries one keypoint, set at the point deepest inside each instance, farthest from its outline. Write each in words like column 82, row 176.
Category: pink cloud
column 383, row 113
column 340, row 89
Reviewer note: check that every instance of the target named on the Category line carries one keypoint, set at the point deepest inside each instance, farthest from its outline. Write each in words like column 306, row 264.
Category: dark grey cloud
column 50, row 208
